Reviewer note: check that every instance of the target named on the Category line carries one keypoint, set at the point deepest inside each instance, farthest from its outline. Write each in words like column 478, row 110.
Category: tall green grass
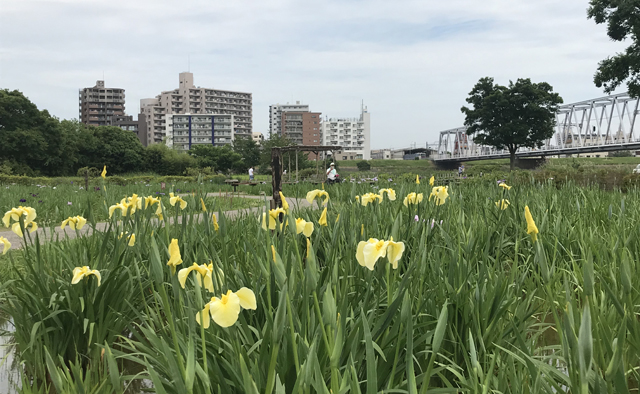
column 475, row 306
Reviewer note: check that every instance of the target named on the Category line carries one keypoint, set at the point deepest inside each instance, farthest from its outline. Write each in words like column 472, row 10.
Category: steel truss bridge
column 604, row 124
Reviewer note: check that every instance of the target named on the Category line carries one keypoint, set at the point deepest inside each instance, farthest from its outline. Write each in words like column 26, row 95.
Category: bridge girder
column 602, row 124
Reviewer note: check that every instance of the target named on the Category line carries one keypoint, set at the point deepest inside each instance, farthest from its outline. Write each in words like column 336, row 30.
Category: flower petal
column 247, row 298
column 225, row 314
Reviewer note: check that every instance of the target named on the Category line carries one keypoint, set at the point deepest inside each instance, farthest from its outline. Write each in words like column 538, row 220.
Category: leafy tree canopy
column 276, row 141
column 30, row 138
column 248, row 149
column 221, row 158
column 508, row 117
column 623, row 23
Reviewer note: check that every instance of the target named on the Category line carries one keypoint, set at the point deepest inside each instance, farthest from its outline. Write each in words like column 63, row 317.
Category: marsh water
column 9, row 377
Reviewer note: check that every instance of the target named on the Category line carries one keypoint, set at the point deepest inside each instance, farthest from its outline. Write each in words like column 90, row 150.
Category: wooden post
column 276, row 173
column 289, row 172
column 317, row 173
column 86, row 180
column 296, row 166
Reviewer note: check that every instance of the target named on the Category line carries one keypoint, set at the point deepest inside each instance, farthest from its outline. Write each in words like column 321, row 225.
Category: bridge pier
column 530, row 163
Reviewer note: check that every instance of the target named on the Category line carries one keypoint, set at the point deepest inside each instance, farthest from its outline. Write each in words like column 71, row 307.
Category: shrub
column 363, row 165
column 93, row 172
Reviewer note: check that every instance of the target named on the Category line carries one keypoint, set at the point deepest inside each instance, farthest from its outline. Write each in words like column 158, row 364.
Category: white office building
column 183, row 131
column 353, row 134
column 275, row 115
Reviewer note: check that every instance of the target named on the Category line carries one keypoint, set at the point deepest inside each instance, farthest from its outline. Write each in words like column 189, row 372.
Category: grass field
column 452, row 294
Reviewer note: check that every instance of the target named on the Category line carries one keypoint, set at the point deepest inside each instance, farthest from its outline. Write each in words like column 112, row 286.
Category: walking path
column 46, row 234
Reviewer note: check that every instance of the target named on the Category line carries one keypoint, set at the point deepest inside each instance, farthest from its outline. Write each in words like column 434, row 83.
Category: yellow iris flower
column 503, row 204
column 394, row 252
column 273, row 253
column 370, row 198
column 504, row 186
column 214, row 219
column 440, row 193
column 27, row 214
column 370, row 251
column 532, row 229
column 104, row 172
column 417, row 179
column 432, row 180
column 337, row 218
column 317, row 193
column 6, row 243
column 391, row 194
column 15, row 214
column 127, row 205
column 274, row 216
column 413, row 198
column 150, row 200
column 225, row 310
column 205, row 271
column 84, row 272
column 285, row 204
column 304, row 227
column 131, row 238
column 159, row 212
column 204, row 207
column 175, row 258
column 323, row 218
column 76, row 222
column 173, row 200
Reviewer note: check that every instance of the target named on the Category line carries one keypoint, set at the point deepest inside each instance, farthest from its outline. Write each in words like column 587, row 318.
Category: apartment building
column 100, row 105
column 154, row 115
column 183, row 131
column 189, row 99
column 137, row 126
column 353, row 134
column 258, row 138
column 276, row 111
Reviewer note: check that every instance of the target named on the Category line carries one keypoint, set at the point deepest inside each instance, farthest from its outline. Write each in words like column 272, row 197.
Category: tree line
column 34, row 143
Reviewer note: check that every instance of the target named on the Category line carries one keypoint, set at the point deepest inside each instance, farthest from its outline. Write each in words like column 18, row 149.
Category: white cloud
column 411, row 61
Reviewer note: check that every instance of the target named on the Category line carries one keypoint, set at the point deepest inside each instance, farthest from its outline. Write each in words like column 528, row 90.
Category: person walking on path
column 251, row 173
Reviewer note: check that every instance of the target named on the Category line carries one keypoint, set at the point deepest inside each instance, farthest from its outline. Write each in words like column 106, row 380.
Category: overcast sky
column 413, row 62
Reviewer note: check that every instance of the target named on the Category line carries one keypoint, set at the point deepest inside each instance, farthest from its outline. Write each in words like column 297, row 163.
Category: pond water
column 9, row 376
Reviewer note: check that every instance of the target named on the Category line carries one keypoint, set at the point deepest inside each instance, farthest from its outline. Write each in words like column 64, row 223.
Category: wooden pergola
column 276, row 165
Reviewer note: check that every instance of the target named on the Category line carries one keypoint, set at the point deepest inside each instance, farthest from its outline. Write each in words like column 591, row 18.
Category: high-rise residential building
column 100, row 105
column 303, row 128
column 353, row 134
column 139, row 126
column 189, row 99
column 183, row 131
column 275, row 115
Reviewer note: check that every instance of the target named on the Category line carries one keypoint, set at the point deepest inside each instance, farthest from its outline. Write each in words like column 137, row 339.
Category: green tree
column 277, row 141
column 623, row 24
column 509, row 117
column 162, row 160
column 222, row 158
column 120, row 150
column 31, row 139
column 248, row 149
